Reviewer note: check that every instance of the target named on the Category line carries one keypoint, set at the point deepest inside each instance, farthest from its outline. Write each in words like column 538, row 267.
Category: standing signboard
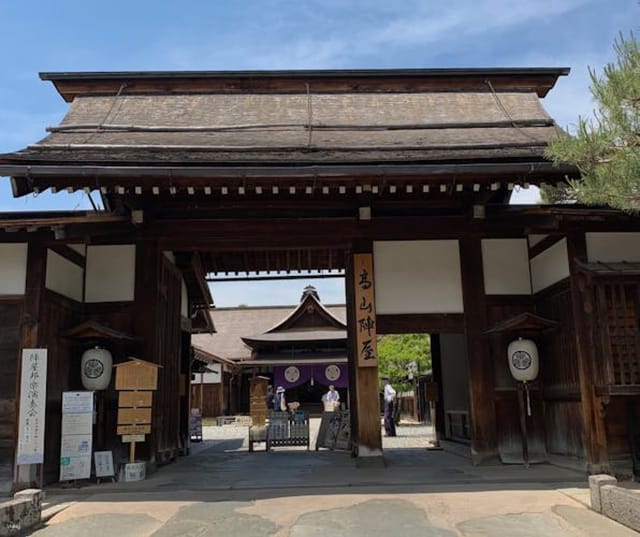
column 76, row 441
column 33, row 399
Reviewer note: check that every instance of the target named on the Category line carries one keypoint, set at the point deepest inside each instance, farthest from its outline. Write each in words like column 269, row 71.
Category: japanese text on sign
column 367, row 350
column 33, row 386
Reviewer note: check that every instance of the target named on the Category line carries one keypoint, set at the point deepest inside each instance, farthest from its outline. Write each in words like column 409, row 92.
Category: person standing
column 332, row 397
column 269, row 398
column 389, row 400
column 279, row 400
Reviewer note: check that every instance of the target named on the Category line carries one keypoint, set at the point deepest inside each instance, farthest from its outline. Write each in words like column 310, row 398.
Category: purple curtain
column 338, row 375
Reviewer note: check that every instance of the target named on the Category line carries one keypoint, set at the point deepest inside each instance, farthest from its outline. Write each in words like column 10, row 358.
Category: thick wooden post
column 484, row 444
column 26, row 475
column 595, row 435
column 363, row 381
column 436, row 368
column 146, row 321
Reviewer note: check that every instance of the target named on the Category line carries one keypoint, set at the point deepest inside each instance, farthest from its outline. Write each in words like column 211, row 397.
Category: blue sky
column 72, row 35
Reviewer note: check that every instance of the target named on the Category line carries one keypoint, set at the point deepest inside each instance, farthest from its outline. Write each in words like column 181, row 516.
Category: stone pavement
column 223, row 490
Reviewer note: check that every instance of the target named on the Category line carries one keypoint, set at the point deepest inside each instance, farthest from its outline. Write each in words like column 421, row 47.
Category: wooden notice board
column 136, row 375
column 365, row 308
column 134, row 429
column 134, row 416
column 135, row 399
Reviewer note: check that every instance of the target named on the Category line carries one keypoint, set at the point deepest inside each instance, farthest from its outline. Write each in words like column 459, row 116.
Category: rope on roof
column 504, row 110
column 534, row 122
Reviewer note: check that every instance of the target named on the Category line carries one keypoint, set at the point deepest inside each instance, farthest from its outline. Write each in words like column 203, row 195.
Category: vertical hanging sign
column 33, row 392
column 365, row 308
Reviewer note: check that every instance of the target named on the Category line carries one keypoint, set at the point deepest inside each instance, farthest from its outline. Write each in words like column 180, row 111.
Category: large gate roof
column 185, row 128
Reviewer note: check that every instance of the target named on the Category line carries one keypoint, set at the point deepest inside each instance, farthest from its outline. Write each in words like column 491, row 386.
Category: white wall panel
column 505, row 264
column 417, row 277
column 613, row 247
column 550, row 266
column 13, row 268
column 63, row 276
column 111, row 273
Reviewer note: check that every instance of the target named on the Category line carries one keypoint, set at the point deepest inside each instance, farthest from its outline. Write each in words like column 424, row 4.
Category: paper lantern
column 523, row 360
column 96, row 368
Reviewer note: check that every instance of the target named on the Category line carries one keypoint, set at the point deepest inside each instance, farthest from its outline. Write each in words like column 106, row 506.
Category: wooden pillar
column 145, row 322
column 594, row 432
column 484, row 442
column 26, row 475
column 363, row 380
column 436, row 369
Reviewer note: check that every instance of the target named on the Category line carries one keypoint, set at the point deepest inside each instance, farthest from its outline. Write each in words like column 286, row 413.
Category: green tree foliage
column 606, row 149
column 397, row 351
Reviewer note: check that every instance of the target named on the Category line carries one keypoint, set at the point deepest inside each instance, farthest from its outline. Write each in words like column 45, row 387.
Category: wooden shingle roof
column 353, row 127
column 234, row 323
column 181, row 131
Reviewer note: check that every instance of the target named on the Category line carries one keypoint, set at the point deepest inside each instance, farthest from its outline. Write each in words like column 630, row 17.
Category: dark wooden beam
column 544, row 244
column 69, row 85
column 69, row 254
column 434, row 323
column 484, row 436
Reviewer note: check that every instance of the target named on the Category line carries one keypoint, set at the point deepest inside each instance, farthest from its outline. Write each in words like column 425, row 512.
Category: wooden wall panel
column 559, row 375
column 510, row 438
column 564, row 428
column 212, row 399
column 617, row 321
column 10, row 312
column 168, row 348
column 63, row 371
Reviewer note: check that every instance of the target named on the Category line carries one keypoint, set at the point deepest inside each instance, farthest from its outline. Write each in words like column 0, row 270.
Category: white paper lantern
column 96, row 368
column 523, row 360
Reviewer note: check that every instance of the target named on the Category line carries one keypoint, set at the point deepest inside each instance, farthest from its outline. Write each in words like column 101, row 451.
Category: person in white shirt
column 332, row 396
column 389, row 400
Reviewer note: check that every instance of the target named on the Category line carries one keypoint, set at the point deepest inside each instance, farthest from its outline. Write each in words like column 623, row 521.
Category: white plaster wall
column 13, row 268
column 63, row 276
column 550, row 266
column 184, row 299
column 505, row 263
column 613, row 247
column 417, row 277
column 209, row 378
column 111, row 273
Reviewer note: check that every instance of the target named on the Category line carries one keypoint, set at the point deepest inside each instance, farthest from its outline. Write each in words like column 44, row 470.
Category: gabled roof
column 310, row 306
column 309, row 322
column 232, row 324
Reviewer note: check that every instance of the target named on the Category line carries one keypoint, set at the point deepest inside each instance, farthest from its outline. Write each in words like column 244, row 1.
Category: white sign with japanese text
column 76, row 440
column 103, row 461
column 33, row 399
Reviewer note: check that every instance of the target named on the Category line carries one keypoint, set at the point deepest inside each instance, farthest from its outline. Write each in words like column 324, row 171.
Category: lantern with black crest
column 523, row 363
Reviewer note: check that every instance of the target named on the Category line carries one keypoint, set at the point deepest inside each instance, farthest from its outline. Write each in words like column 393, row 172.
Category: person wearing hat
column 279, row 400
column 389, row 400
